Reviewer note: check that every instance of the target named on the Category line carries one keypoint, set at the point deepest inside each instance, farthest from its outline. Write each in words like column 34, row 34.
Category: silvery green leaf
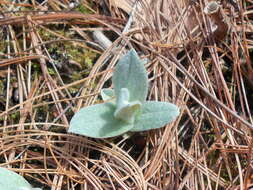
column 130, row 73
column 98, row 121
column 107, row 94
column 155, row 115
column 123, row 98
column 128, row 112
column 10, row 180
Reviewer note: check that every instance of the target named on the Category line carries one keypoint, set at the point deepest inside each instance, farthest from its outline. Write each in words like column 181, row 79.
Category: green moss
column 76, row 76
column 84, row 57
column 36, row 67
column 64, row 51
column 1, row 87
column 89, row 57
column 81, row 8
column 51, row 71
column 15, row 116
column 3, row 45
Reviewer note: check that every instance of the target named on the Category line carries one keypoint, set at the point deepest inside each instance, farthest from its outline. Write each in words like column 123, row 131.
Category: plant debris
column 51, row 66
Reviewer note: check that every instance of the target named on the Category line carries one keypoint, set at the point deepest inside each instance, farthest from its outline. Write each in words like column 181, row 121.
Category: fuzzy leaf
column 128, row 112
column 123, row 98
column 98, row 121
column 107, row 94
column 155, row 115
column 130, row 73
column 10, row 180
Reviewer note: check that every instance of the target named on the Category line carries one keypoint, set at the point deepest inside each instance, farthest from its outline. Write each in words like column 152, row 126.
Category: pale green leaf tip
column 123, row 98
column 130, row 73
column 128, row 112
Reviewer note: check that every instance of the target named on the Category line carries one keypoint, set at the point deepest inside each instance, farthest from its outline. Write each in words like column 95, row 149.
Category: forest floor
column 56, row 56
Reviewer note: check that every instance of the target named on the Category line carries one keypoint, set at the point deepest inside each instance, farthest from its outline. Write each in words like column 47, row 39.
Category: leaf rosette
column 126, row 108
